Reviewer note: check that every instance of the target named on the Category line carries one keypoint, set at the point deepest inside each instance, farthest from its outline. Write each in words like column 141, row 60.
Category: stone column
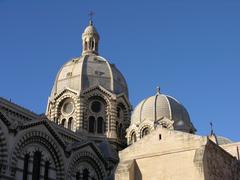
column 80, row 114
column 54, row 112
column 77, row 114
column 52, row 115
column 112, row 117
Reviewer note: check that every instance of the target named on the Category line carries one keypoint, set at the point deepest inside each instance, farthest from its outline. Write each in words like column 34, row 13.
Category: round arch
column 61, row 101
column 89, row 158
column 43, row 140
column 103, row 108
column 143, row 129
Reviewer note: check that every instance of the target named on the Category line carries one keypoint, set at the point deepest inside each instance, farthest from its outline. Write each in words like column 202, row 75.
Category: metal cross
column 158, row 90
column 211, row 124
column 91, row 14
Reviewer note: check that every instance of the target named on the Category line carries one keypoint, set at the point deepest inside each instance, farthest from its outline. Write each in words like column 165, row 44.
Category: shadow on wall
column 218, row 164
column 136, row 171
column 128, row 170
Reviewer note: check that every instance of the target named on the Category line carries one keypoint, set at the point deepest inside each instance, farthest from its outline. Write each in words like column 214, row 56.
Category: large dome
column 88, row 71
column 90, row 95
column 162, row 106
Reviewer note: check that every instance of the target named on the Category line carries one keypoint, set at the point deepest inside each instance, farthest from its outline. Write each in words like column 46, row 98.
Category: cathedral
column 91, row 132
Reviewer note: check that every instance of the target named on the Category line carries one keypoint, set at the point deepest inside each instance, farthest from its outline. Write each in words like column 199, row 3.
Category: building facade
column 89, row 131
column 90, row 95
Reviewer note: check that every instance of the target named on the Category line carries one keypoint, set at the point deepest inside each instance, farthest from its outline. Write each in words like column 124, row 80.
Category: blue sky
column 190, row 48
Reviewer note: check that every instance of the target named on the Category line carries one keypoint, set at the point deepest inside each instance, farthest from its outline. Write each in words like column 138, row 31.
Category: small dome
column 90, row 30
column 223, row 140
column 220, row 140
column 162, row 106
column 89, row 71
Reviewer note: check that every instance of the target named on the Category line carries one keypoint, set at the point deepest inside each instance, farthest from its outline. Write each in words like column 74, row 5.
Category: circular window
column 96, row 106
column 68, row 107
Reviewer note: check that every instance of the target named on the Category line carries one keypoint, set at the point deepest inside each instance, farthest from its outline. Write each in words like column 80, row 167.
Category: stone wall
column 163, row 154
column 173, row 155
column 30, row 145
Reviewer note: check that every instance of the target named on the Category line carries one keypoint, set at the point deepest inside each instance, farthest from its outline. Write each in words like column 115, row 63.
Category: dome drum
column 87, row 92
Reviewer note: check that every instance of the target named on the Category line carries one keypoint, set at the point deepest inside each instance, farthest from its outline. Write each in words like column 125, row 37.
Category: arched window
column 25, row 166
column 121, row 109
column 145, row 131
column 117, row 128
column 36, row 165
column 118, row 112
column 70, row 120
column 78, row 176
column 100, row 125
column 120, row 130
column 91, row 44
column 46, row 168
column 96, row 106
column 85, row 45
column 97, row 115
column 133, row 137
column 63, row 122
column 85, row 174
column 96, row 47
column 91, row 124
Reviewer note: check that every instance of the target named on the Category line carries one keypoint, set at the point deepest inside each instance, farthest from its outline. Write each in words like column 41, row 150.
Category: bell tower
column 90, row 39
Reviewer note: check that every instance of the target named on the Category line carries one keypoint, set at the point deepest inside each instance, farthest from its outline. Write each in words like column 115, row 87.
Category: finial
column 211, row 124
column 213, row 136
column 91, row 14
column 158, row 90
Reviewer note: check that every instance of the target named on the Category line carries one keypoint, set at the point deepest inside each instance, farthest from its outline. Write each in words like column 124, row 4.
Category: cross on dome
column 158, row 90
column 211, row 124
column 91, row 14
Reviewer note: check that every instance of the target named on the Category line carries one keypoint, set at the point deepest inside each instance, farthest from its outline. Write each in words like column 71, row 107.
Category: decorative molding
column 41, row 139
column 99, row 88
column 4, row 119
column 89, row 158
column 3, row 152
column 50, row 129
